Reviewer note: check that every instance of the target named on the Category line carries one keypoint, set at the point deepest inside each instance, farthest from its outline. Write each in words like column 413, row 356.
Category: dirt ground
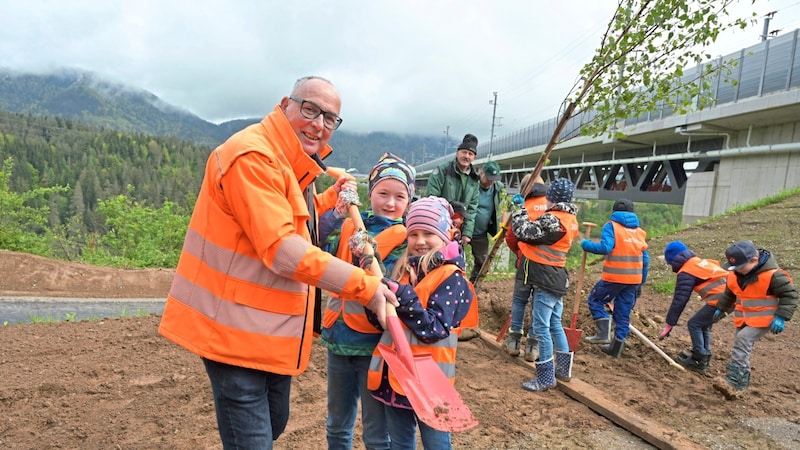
column 115, row 383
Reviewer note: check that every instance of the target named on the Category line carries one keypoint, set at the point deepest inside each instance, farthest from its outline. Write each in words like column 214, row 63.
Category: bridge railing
column 767, row 67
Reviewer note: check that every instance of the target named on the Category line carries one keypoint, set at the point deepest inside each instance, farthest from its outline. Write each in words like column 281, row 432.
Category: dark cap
column 740, row 254
column 623, row 204
column 492, row 171
column 470, row 143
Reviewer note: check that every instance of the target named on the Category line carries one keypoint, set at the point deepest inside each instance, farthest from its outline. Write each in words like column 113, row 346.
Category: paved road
column 15, row 310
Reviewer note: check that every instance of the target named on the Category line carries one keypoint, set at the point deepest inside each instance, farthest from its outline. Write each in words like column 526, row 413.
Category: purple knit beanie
column 432, row 214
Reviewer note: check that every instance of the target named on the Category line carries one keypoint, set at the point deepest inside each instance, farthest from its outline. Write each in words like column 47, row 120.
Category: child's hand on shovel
column 347, row 196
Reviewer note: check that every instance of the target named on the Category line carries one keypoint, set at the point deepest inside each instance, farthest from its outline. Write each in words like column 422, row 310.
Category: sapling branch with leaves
column 639, row 66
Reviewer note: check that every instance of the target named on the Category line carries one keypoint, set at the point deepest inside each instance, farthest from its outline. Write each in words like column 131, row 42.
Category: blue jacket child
column 624, row 271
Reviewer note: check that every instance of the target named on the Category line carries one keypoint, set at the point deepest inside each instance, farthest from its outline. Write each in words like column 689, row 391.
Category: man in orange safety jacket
column 243, row 297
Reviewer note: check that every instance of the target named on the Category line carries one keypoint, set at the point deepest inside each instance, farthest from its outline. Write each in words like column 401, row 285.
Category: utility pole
column 765, row 33
column 494, row 115
column 446, row 135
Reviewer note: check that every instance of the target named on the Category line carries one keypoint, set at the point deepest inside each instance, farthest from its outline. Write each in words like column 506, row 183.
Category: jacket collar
column 305, row 168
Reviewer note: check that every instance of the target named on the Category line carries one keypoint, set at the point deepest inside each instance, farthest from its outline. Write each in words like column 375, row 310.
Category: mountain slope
column 83, row 97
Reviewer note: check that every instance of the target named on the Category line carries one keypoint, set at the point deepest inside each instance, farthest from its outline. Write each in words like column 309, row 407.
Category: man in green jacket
column 490, row 196
column 458, row 181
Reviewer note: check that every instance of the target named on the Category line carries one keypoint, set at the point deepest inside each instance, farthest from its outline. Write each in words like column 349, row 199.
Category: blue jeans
column 347, row 382
column 522, row 293
column 403, row 430
column 547, row 327
column 252, row 405
column 624, row 298
column 700, row 329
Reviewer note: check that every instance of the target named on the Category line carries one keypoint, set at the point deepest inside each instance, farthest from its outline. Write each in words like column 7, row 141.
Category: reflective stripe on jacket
column 625, row 262
column 353, row 312
column 241, row 293
column 556, row 253
column 754, row 307
column 442, row 351
column 709, row 270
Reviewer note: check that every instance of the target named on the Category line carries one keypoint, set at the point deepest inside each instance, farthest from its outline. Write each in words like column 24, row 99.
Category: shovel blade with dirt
column 573, row 333
column 433, row 397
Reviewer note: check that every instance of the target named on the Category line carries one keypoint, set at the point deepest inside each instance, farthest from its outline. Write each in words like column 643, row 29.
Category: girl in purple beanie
column 435, row 298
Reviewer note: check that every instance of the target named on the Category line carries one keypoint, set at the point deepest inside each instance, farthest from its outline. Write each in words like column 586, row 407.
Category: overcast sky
column 401, row 66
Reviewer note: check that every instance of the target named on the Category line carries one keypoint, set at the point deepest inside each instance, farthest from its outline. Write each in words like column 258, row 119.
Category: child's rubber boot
column 545, row 377
column 615, row 348
column 603, row 333
column 564, row 365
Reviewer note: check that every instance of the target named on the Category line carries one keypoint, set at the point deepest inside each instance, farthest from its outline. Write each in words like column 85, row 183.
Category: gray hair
column 300, row 82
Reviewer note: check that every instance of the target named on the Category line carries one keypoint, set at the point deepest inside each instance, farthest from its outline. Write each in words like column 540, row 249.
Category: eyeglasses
column 311, row 110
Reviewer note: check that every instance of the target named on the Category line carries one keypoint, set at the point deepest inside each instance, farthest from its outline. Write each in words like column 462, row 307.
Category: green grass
column 72, row 317
column 780, row 196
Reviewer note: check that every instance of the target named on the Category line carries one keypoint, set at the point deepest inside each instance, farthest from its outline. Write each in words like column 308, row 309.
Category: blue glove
column 719, row 315
column 777, row 325
column 639, row 292
column 517, row 200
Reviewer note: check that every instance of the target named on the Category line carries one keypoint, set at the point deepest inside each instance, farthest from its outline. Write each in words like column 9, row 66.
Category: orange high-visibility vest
column 353, row 312
column 625, row 262
column 242, row 291
column 536, row 206
column 556, row 253
column 709, row 270
column 443, row 351
column 754, row 307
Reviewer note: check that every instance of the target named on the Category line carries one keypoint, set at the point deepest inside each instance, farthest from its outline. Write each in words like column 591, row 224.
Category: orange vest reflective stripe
column 709, row 270
column 233, row 303
column 556, row 253
column 443, row 351
column 625, row 262
column 353, row 312
column 754, row 307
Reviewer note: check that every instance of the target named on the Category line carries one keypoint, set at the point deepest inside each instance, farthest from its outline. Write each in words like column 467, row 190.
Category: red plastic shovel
column 433, row 397
column 573, row 332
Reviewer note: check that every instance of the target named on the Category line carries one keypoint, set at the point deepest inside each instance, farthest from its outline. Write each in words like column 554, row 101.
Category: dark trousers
column 252, row 406
column 480, row 251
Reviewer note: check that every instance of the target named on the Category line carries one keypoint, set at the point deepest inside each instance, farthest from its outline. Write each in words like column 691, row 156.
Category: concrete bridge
column 744, row 147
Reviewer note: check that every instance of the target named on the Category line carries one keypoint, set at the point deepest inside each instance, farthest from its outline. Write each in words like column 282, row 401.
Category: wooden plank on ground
column 655, row 433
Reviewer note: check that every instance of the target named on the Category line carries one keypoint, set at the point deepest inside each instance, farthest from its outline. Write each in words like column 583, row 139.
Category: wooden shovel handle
column 393, row 323
column 582, row 270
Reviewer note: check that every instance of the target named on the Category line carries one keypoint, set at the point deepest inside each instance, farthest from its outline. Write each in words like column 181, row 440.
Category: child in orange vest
column 435, row 297
column 536, row 204
column 707, row 278
column 346, row 332
column 764, row 298
column 624, row 271
column 544, row 244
